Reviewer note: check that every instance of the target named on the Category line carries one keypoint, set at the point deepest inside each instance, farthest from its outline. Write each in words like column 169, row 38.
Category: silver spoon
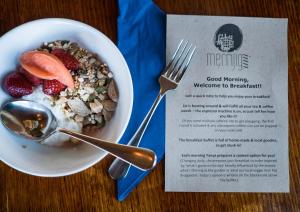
column 35, row 121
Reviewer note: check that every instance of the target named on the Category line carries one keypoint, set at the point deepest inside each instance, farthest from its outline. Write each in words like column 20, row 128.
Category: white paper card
column 227, row 123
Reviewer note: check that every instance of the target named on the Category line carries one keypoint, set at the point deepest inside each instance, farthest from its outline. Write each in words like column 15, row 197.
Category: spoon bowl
column 15, row 114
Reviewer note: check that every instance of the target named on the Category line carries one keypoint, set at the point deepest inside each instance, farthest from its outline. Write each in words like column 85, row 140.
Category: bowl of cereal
column 78, row 73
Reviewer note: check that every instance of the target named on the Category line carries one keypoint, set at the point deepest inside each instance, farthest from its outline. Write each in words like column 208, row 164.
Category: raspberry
column 31, row 78
column 68, row 60
column 53, row 87
column 16, row 85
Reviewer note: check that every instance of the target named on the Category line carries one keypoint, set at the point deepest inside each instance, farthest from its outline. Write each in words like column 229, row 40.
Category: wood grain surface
column 93, row 190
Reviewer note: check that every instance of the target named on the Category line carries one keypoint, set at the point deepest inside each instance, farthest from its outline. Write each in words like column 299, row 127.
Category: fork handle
column 119, row 169
column 137, row 137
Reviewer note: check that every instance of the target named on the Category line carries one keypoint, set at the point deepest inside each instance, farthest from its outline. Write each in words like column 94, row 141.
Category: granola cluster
column 95, row 96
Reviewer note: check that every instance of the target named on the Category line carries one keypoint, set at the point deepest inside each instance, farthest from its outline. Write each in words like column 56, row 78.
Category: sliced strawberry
column 17, row 85
column 68, row 60
column 53, row 87
column 31, row 78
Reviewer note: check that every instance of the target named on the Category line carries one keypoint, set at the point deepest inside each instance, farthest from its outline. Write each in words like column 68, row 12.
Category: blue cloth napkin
column 142, row 40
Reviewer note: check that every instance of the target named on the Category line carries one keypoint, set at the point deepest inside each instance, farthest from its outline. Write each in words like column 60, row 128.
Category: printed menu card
column 227, row 122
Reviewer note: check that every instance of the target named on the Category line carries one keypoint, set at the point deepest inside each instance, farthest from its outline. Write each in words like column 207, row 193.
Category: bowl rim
column 130, row 102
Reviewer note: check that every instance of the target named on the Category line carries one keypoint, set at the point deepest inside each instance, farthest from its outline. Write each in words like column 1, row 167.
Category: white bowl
column 41, row 160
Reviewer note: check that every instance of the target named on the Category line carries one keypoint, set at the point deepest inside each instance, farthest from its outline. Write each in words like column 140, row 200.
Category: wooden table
column 93, row 189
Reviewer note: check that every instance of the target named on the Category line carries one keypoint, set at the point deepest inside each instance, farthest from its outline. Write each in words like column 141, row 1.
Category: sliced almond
column 112, row 91
column 78, row 107
column 109, row 105
column 95, row 107
column 107, row 115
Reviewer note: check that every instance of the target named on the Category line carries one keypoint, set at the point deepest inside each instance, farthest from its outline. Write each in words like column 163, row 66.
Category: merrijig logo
column 228, row 39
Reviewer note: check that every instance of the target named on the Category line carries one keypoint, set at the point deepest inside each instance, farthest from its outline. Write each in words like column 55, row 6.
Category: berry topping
column 17, row 85
column 68, row 60
column 53, row 87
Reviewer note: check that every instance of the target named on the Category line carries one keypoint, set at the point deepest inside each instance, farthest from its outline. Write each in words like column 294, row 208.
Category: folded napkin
column 142, row 40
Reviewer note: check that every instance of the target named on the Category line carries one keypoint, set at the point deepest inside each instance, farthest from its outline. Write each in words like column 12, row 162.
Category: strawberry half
column 68, row 60
column 16, row 85
column 31, row 78
column 52, row 87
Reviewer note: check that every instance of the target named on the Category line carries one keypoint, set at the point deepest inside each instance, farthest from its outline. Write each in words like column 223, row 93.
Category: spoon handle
column 141, row 158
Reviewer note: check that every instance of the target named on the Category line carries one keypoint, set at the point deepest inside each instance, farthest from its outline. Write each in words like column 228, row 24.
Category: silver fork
column 168, row 80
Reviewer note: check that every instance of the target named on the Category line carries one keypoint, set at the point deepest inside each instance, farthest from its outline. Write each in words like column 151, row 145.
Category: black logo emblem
column 228, row 38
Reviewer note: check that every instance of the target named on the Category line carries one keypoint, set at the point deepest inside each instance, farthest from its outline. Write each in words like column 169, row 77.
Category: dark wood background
column 93, row 189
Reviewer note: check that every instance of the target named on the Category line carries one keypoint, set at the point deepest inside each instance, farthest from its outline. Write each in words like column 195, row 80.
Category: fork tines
column 180, row 61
